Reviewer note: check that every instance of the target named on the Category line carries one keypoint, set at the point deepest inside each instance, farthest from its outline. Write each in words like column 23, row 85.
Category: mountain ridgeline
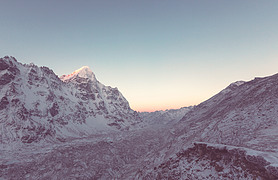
column 232, row 135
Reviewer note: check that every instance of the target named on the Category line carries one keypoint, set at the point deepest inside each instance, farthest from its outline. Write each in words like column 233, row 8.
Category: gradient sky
column 160, row 54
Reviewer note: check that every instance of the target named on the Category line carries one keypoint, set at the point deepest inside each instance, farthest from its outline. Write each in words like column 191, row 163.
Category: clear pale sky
column 160, row 54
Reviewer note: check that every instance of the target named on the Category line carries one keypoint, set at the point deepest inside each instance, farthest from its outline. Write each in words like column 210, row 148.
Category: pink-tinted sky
column 160, row 54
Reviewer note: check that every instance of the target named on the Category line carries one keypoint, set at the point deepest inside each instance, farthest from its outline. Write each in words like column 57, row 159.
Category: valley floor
column 141, row 154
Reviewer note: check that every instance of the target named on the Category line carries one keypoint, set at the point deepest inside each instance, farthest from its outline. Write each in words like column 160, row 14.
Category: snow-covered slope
column 243, row 116
column 35, row 104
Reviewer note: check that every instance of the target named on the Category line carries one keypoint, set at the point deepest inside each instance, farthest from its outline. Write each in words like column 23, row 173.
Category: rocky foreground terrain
column 73, row 127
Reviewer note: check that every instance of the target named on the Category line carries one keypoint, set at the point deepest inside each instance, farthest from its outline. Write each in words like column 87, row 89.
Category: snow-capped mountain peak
column 36, row 105
column 83, row 72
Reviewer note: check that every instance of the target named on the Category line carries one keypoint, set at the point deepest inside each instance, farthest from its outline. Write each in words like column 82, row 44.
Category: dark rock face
column 7, row 65
column 54, row 110
column 22, row 113
column 113, row 93
column 4, row 103
column 35, row 133
column 102, row 106
column 6, row 78
column 222, row 163
column 3, row 65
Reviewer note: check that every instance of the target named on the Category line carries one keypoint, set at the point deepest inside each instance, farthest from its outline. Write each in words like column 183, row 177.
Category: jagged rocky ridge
column 36, row 104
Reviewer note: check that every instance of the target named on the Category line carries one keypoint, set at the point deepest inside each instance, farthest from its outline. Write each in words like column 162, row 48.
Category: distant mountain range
column 74, row 127
column 169, row 116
